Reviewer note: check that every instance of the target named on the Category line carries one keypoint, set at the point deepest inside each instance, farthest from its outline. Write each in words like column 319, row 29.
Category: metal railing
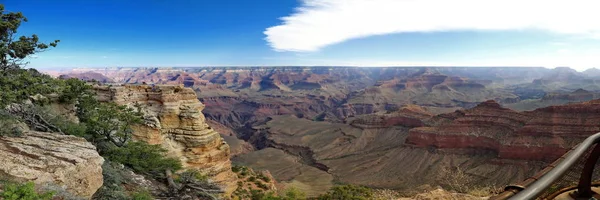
column 580, row 160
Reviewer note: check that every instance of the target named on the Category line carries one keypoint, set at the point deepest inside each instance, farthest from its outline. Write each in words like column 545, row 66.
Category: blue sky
column 107, row 33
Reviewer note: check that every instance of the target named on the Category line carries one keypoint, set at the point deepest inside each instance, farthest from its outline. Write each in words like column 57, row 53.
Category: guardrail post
column 584, row 188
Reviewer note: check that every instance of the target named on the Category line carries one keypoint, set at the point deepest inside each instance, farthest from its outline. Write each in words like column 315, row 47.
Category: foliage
column 70, row 128
column 350, row 192
column 142, row 195
column 108, row 122
column 263, row 177
column 9, row 125
column 112, row 187
column 191, row 175
column 12, row 50
column 20, row 84
column 73, row 89
column 293, row 193
column 143, row 158
column 455, row 179
column 24, row 191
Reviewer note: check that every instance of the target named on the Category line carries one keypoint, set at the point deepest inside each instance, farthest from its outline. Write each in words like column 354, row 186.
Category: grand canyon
column 299, row 100
column 399, row 128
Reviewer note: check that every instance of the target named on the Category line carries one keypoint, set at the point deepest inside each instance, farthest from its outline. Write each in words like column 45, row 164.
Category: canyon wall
column 544, row 134
column 173, row 118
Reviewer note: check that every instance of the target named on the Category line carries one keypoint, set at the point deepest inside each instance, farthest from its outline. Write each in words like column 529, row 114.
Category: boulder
column 47, row 158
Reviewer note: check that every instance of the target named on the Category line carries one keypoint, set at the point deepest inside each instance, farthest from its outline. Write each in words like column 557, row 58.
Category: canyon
column 395, row 127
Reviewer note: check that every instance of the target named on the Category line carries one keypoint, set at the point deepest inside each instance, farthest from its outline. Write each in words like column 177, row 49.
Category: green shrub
column 261, row 185
column 69, row 127
column 9, row 126
column 18, row 85
column 112, row 187
column 142, row 195
column 24, row 191
column 236, row 168
column 143, row 158
column 264, row 178
column 350, row 192
column 72, row 90
column 194, row 175
column 294, row 193
column 252, row 179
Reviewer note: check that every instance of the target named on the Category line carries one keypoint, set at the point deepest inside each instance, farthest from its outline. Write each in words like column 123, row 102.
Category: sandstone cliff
column 173, row 118
column 50, row 159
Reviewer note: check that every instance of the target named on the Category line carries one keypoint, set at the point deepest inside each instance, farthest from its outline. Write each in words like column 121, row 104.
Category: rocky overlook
column 173, row 118
column 50, row 159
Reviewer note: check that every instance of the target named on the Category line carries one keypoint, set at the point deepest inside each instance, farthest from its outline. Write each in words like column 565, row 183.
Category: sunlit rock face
column 46, row 159
column 173, row 118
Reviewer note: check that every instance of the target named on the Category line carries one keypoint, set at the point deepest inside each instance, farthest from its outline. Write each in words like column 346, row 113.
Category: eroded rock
column 173, row 118
column 46, row 158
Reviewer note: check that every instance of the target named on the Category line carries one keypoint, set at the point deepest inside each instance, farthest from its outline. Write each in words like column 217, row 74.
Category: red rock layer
column 544, row 134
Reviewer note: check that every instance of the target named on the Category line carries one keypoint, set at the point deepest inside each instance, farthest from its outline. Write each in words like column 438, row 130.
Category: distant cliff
column 543, row 134
column 173, row 118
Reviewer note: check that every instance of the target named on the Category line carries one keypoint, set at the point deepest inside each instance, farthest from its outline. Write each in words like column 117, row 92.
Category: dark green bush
column 143, row 158
column 264, row 178
column 72, row 90
column 349, row 192
column 252, row 179
column 112, row 187
column 9, row 126
column 18, row 85
column 141, row 195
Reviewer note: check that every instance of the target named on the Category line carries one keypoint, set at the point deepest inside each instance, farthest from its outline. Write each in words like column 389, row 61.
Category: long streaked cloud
column 319, row 23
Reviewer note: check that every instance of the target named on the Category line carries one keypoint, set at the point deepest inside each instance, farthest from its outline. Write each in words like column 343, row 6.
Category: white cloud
column 319, row 23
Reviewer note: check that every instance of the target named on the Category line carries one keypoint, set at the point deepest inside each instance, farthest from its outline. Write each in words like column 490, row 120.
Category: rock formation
column 173, row 118
column 45, row 158
column 543, row 134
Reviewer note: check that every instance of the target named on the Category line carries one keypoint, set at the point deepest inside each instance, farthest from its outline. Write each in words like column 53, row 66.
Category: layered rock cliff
column 543, row 134
column 50, row 159
column 173, row 118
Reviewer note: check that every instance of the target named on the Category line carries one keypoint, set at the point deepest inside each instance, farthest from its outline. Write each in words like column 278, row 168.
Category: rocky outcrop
column 543, row 134
column 408, row 116
column 66, row 161
column 173, row 118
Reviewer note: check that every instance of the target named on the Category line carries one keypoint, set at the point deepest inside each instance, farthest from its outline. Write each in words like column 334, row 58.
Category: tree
column 74, row 89
column 143, row 158
column 20, row 84
column 108, row 122
column 12, row 50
